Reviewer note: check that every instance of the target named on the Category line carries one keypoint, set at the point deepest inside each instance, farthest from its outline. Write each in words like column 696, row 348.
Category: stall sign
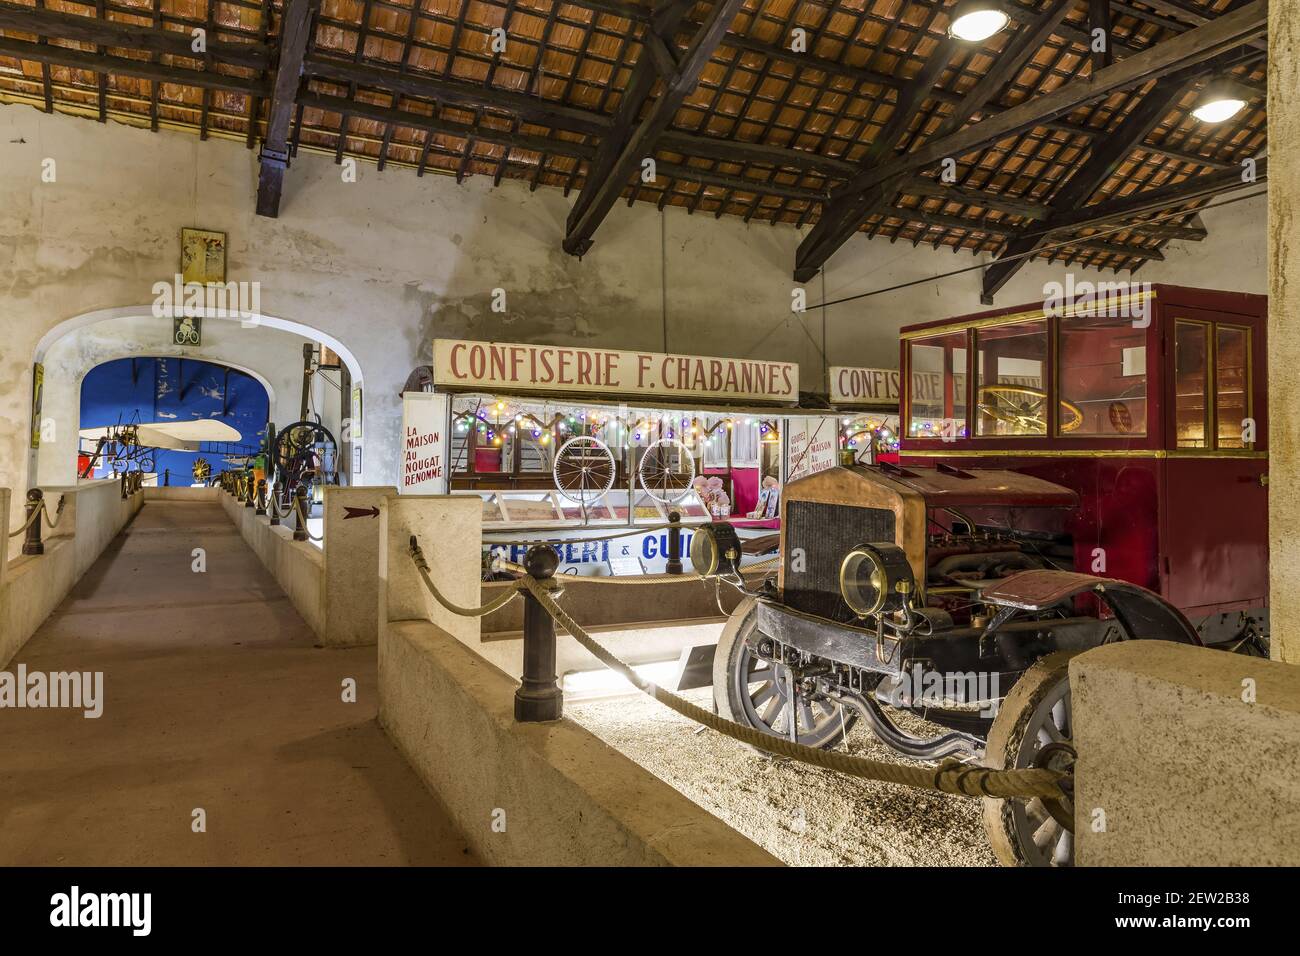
column 424, row 443
column 615, row 556
column 561, row 368
column 812, row 445
column 851, row 385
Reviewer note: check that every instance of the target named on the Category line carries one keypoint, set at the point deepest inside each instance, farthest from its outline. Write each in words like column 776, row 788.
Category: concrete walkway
column 214, row 698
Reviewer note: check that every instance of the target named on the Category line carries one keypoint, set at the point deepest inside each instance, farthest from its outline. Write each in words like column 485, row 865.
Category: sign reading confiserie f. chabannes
column 562, row 368
column 849, row 385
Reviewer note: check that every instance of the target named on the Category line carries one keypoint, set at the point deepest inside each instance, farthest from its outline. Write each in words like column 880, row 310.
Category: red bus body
column 1184, row 516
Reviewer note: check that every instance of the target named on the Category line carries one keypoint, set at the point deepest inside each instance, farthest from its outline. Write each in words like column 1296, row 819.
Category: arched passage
column 160, row 393
column 267, row 348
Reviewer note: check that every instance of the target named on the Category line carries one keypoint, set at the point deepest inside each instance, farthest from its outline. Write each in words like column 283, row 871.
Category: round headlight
column 875, row 579
column 715, row 549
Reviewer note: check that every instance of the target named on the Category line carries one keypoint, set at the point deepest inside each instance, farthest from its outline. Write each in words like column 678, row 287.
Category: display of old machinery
column 304, row 453
column 131, row 445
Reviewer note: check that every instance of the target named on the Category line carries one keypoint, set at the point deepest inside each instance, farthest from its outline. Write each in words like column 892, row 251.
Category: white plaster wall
column 389, row 262
column 270, row 354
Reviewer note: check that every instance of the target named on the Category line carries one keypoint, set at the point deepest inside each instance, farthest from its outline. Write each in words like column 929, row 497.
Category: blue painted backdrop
column 170, row 390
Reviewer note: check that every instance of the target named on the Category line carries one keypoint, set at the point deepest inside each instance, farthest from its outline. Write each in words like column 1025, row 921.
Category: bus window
column 1191, row 384
column 1011, row 379
column 1103, row 378
column 937, row 390
column 1231, row 385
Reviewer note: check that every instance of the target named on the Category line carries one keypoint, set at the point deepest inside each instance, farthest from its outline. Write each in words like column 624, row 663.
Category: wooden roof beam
column 874, row 184
column 124, row 66
column 114, row 33
column 1102, row 163
column 295, row 30
column 633, row 136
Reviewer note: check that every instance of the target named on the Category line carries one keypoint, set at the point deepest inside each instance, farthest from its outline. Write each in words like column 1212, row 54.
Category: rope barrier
column 302, row 516
column 31, row 519
column 417, row 555
column 53, row 523
column 948, row 777
column 764, row 565
column 273, row 507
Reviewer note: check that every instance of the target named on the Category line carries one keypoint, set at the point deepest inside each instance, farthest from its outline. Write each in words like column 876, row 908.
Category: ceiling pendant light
column 976, row 20
column 1222, row 99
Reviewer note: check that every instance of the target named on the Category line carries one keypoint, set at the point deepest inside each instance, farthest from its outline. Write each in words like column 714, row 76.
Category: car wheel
column 1035, row 713
column 756, row 693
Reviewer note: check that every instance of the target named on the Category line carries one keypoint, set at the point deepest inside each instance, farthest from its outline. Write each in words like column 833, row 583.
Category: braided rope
column 417, row 555
column 302, row 516
column 31, row 519
column 53, row 523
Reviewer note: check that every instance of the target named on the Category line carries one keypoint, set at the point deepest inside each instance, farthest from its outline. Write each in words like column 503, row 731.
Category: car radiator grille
column 817, row 537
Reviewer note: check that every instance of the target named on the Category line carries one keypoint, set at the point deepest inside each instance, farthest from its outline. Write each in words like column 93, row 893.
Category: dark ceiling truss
column 632, row 136
column 877, row 181
column 763, row 132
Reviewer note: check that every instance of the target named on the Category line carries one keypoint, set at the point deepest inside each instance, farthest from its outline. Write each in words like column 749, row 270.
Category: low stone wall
column 1186, row 757
column 297, row 566
column 334, row 587
column 522, row 794
column 32, row 586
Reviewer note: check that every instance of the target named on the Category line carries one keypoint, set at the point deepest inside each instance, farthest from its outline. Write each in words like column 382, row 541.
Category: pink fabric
column 744, row 489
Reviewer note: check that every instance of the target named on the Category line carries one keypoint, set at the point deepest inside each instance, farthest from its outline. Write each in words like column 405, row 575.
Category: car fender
column 1142, row 613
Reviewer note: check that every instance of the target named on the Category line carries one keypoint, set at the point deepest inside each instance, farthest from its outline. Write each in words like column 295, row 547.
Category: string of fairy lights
column 498, row 421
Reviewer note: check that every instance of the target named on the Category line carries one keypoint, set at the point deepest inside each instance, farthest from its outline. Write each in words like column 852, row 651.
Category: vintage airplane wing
column 174, row 436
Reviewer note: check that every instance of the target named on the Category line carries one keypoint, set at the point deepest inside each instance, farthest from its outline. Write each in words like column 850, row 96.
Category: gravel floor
column 802, row 815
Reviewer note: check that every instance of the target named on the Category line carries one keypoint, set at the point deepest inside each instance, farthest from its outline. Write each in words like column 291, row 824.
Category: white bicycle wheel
column 583, row 471
column 666, row 471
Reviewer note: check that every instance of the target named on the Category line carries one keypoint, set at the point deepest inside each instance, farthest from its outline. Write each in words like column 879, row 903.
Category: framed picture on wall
column 203, row 256
column 38, row 398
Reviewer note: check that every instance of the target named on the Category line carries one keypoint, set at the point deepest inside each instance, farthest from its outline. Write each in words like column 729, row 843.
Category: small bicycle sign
column 187, row 330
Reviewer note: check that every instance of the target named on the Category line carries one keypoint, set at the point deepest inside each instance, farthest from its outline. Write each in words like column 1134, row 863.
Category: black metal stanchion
column 122, row 486
column 275, row 503
column 539, row 697
column 261, row 497
column 674, row 543
column 32, row 542
column 300, row 513
column 249, row 488
column 167, row 477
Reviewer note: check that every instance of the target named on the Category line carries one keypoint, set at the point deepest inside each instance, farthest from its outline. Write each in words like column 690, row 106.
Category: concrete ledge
column 1185, row 771
column 567, row 797
column 297, row 566
column 335, row 587
column 31, row 587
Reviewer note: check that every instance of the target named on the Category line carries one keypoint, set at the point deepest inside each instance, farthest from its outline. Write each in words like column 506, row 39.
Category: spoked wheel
column 667, row 470
column 1034, row 727
column 1024, row 409
column 303, row 454
column 584, row 471
column 756, row 693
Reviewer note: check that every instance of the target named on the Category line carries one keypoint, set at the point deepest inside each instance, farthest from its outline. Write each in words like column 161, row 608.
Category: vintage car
column 1072, row 475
